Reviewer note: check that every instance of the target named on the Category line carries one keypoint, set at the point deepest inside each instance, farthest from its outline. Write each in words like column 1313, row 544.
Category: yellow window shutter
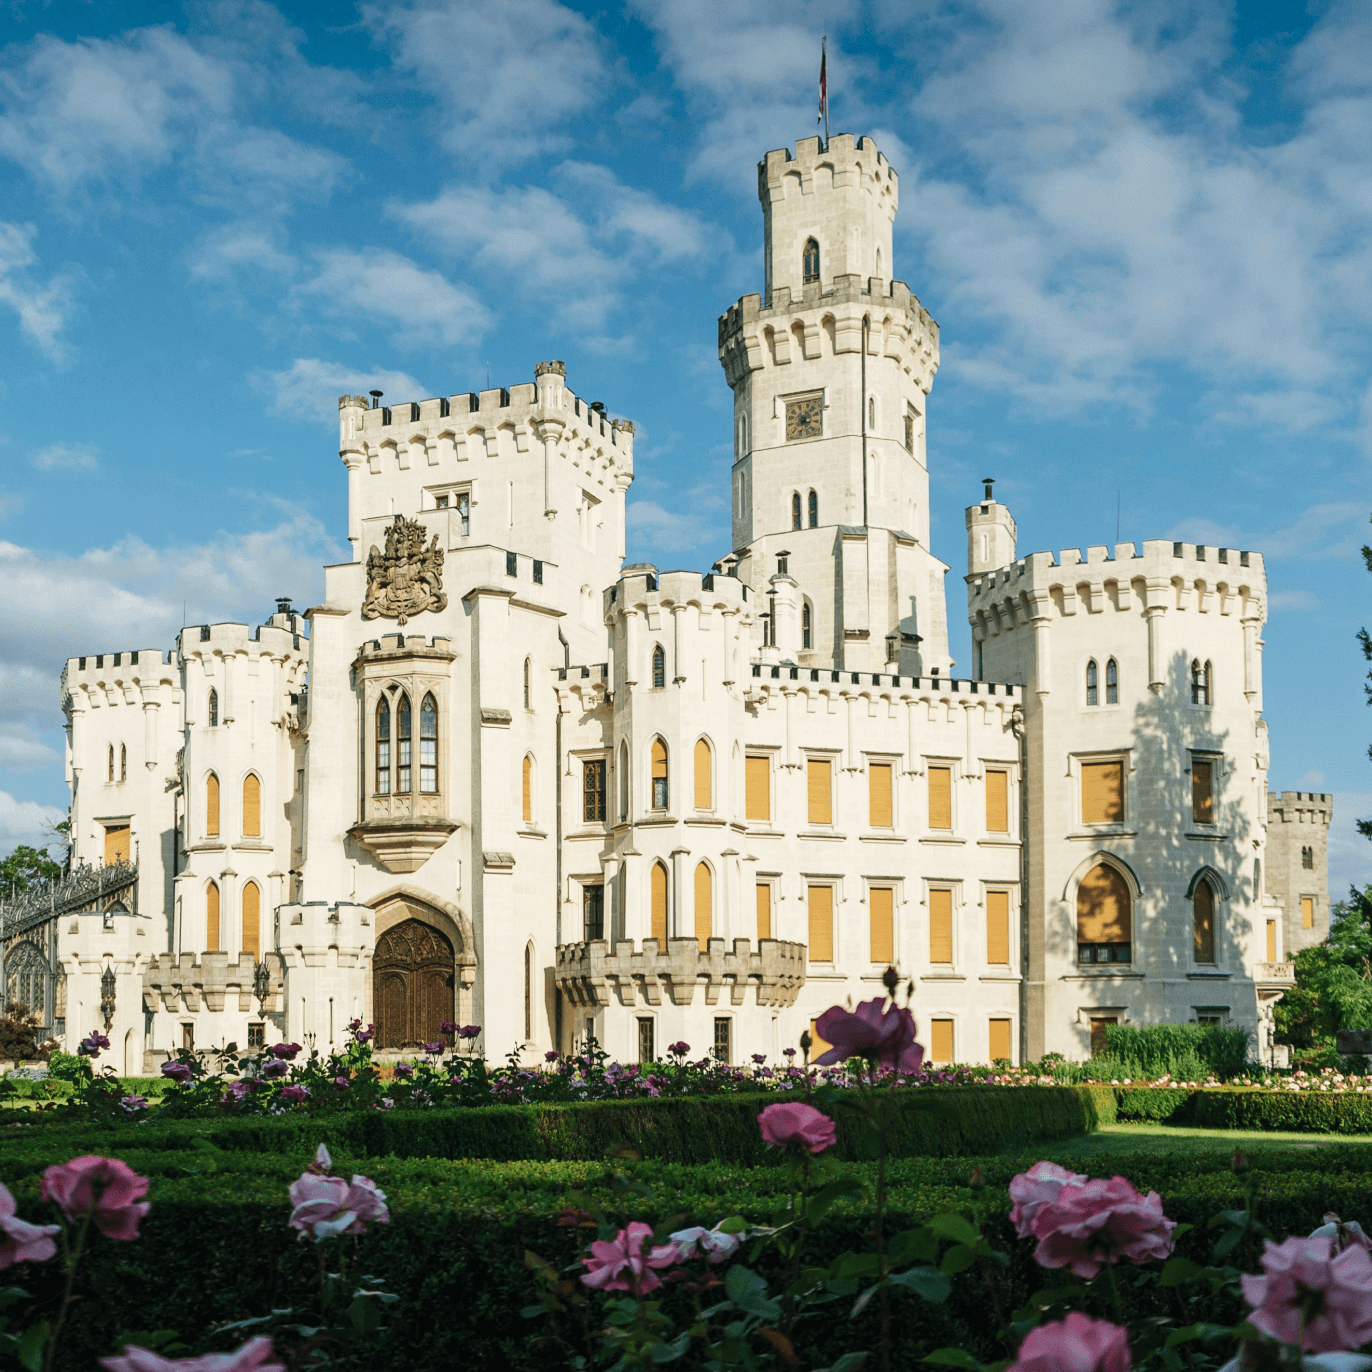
column 881, row 900
column 659, row 903
column 1102, row 792
column 1307, row 912
column 998, row 1040
column 1203, row 922
column 940, row 797
column 758, row 788
column 764, row 910
column 212, row 918
column 116, row 844
column 941, row 1040
column 1103, row 914
column 821, row 902
column 252, row 921
column 879, row 794
column 941, row 927
column 528, row 810
column 252, row 806
column 703, row 787
column 1202, row 802
column 997, row 802
column 704, row 902
column 1271, row 940
column 212, row 805
column 998, row 929
column 820, row 803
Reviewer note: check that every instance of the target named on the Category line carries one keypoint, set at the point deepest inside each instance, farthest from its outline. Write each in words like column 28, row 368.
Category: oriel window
column 593, row 791
column 383, row 747
column 428, row 746
column 402, row 740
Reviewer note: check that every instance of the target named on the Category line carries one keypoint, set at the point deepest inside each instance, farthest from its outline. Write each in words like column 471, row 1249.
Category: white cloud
column 309, row 388
column 42, row 307
column 652, row 526
column 21, row 751
column 72, row 457
column 1294, row 600
column 235, row 248
column 26, row 822
column 1330, row 530
column 1350, row 854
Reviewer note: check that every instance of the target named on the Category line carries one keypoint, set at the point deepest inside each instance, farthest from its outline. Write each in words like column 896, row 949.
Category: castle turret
column 990, row 534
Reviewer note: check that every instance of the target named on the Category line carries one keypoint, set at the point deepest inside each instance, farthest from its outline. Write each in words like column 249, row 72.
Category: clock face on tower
column 804, row 418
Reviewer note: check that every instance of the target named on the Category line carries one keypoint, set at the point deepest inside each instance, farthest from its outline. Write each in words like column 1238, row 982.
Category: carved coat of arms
column 407, row 578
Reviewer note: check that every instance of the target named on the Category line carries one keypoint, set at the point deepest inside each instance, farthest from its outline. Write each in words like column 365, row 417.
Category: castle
column 498, row 777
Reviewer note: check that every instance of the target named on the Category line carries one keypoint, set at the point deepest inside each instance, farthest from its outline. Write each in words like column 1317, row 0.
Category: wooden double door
column 412, row 984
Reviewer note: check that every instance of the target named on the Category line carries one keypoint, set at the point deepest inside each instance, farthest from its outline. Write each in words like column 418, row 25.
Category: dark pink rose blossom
column 680, row 1048
column 21, row 1241
column 620, row 1264
column 91, row 1045
column 341, row 1084
column 1076, row 1344
column 1099, row 1222
column 792, row 1122
column 274, row 1068
column 469, row 1031
column 285, row 1051
column 404, row 1069
column 877, row 1029
column 295, row 1094
column 105, row 1188
column 178, row 1071
column 1311, row 1279
column 132, row 1104
column 434, row 1049
column 1034, row 1189
column 254, row 1356
column 551, row 1055
column 237, row 1091
column 447, row 1027
column 354, row 1024
column 326, row 1207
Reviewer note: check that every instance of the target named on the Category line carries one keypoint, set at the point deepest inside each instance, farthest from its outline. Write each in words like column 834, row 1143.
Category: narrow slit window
column 659, row 666
column 703, row 778
column 212, row 805
column 252, row 921
column 1092, row 683
column 212, row 918
column 123, row 763
column 527, row 790
column 1203, row 921
column 109, row 764
column 428, row 746
column 658, row 903
column 998, row 929
column 764, row 910
column 214, row 707
column 795, row 509
column 402, row 745
column 704, row 903
column 659, row 760
column 814, row 510
column 252, row 806
column 1112, row 682
column 528, row 695
column 806, row 627
column 383, row 747
column 593, row 911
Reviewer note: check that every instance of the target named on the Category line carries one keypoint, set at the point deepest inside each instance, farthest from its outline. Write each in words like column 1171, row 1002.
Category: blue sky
column 1144, row 230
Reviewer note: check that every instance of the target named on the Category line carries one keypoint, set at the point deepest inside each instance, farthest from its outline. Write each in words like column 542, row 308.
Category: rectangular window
column 188, row 1036
column 645, row 1040
column 764, row 910
column 1307, row 912
column 998, row 1041
column 593, row 911
column 998, row 928
column 464, row 512
column 538, row 572
column 909, row 432
column 940, row 797
column 997, row 802
column 1271, row 940
column 882, row 904
column 1098, row 1034
column 511, row 562
column 1102, row 793
column 593, row 791
column 940, row 1040
column 117, row 843
column 819, row 774
column 879, row 795
column 941, row 928
column 257, row 1036
column 300, row 779
column 758, row 788
column 723, row 1046
column 1202, row 804
column 821, row 940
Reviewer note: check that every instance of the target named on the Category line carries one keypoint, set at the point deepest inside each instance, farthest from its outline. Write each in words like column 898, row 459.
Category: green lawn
column 1164, row 1138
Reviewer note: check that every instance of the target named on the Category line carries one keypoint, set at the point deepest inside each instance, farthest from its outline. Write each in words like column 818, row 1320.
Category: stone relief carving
column 407, row 578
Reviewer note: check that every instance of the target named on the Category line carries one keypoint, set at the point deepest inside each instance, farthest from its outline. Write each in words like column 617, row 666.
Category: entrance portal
column 412, row 984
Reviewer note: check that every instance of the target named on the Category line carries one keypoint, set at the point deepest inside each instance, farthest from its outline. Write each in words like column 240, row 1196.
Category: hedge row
column 216, row 1247
column 1305, row 1112
column 938, row 1121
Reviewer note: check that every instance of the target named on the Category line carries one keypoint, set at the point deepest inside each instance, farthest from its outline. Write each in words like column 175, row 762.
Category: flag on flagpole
column 823, row 115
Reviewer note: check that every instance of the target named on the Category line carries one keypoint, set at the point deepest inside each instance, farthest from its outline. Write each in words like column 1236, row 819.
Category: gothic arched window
column 1203, row 921
column 795, row 510
column 214, row 707
column 428, row 746
column 809, row 261
column 814, row 510
column 806, row 634
column 526, row 782
column 659, row 666
column 211, row 806
column 110, row 764
column 527, row 696
column 1200, row 683
column 383, row 747
column 252, row 806
column 402, row 745
column 624, row 781
column 123, row 763
column 1104, row 916
column 1112, row 682
column 1092, row 683
column 659, row 774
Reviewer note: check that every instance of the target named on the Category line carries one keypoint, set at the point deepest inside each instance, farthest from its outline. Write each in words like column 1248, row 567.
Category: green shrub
column 1189, row 1052
column 66, row 1066
column 1164, row 1104
column 1309, row 1112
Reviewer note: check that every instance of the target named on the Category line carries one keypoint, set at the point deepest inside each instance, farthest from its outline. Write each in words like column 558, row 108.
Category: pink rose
column 177, row 1071
column 1034, row 1189
column 793, row 1122
column 104, row 1188
column 254, row 1356
column 295, row 1094
column 619, row 1264
column 1309, row 1277
column 1098, row 1222
column 1347, row 1232
column 1076, row 1344
column 871, row 1031
column 710, row 1244
column 23, row 1242
column 326, row 1207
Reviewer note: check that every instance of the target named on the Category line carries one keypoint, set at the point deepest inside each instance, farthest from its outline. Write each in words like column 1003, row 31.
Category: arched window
column 110, row 766
column 1308, row 859
column 1112, row 682
column 252, row 920
column 806, row 631
column 624, row 781
column 659, row 665
column 402, row 745
column 658, row 903
column 795, row 510
column 871, row 414
column 252, row 806
column 1104, row 916
column 1203, row 921
column 123, row 763
column 814, row 510
column 214, row 707
column 1200, row 683
column 659, row 774
column 528, row 992
column 527, row 695
column 383, row 747
column 1092, row 683
column 704, row 788
column 428, row 746
column 878, row 261
column 705, row 900
column 212, row 805
column 212, row 918
column 809, row 262
column 527, row 784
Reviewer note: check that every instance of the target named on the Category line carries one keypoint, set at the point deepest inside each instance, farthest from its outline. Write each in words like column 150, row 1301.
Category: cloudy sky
column 1143, row 228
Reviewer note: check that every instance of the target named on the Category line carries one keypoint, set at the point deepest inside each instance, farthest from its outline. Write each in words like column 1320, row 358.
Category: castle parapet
column 593, row 974
column 186, row 980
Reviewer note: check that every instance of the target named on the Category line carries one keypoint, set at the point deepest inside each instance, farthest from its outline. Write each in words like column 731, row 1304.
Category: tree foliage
column 1333, row 987
column 24, row 866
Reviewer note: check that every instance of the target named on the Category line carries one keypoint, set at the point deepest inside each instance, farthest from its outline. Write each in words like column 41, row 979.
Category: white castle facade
column 498, row 777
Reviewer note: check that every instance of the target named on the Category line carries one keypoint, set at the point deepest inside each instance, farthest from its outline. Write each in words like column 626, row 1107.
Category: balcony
column 592, row 974
column 1274, row 976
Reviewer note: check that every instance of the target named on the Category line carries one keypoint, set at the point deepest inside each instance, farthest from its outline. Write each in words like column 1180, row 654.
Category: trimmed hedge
column 1305, row 1112
column 1162, row 1104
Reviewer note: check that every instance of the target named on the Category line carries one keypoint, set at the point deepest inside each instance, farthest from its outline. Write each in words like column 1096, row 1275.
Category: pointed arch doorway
column 413, row 984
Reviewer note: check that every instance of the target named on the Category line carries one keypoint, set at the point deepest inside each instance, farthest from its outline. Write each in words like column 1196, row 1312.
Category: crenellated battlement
column 641, row 586
column 390, row 646
column 276, row 639
column 1300, row 807
column 183, row 981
